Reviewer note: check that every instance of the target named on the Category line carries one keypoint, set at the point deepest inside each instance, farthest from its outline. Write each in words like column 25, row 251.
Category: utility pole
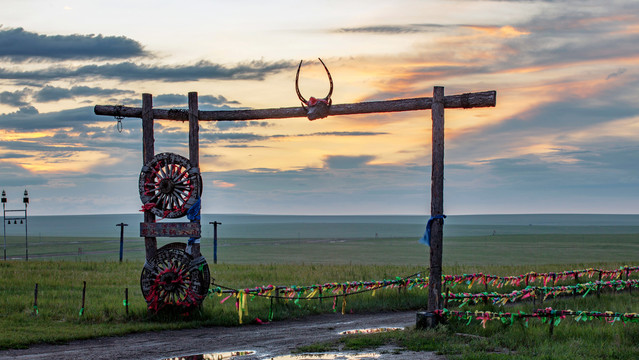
column 215, row 224
column 121, row 225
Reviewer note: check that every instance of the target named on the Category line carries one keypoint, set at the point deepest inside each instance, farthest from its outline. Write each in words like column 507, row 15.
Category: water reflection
column 329, row 356
column 215, row 356
column 370, row 330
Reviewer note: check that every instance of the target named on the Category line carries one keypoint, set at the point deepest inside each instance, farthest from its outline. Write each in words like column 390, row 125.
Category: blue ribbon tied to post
column 193, row 214
column 426, row 238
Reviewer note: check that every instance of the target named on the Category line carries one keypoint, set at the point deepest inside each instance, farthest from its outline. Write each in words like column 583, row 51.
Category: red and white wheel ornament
column 169, row 185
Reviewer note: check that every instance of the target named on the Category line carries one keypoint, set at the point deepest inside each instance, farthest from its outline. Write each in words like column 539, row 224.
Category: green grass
column 248, row 263
column 507, row 249
column 60, row 297
column 570, row 340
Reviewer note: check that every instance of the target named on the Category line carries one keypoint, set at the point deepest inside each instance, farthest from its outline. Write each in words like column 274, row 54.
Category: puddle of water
column 328, row 356
column 370, row 330
column 215, row 356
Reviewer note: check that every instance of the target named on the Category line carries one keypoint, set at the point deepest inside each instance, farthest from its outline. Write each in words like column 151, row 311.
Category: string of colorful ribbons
column 334, row 290
column 531, row 277
column 540, row 291
column 549, row 315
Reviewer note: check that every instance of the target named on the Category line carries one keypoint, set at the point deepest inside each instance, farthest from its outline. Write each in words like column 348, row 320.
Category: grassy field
column 255, row 262
column 532, row 249
column 60, row 289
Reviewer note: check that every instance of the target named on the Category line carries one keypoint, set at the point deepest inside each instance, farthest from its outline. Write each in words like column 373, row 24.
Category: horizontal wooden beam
column 170, row 229
column 462, row 101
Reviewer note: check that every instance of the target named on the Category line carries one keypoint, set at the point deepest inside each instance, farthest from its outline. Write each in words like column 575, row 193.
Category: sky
column 563, row 138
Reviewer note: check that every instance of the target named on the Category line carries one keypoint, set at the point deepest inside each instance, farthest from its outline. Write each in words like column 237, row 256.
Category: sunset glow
column 566, row 118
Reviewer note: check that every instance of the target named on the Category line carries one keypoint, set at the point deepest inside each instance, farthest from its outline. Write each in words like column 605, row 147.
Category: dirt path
column 268, row 340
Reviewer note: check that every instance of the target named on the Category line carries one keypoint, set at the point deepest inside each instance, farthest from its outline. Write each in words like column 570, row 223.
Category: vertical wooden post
column 194, row 149
column 35, row 300
column 215, row 224
column 437, row 200
column 84, row 291
column 121, row 225
column 148, row 152
column 126, row 301
column 599, row 285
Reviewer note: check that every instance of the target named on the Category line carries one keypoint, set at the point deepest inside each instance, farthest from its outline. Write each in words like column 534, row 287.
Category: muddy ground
column 267, row 340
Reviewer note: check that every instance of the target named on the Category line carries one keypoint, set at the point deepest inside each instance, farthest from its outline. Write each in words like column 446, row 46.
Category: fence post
column 599, row 284
column 35, row 300
column 84, row 290
column 126, row 301
column 121, row 225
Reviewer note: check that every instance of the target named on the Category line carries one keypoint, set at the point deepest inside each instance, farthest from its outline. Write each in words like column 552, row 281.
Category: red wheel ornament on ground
column 169, row 185
column 174, row 279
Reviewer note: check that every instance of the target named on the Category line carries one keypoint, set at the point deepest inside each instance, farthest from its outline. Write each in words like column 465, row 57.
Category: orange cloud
column 222, row 184
column 500, row 31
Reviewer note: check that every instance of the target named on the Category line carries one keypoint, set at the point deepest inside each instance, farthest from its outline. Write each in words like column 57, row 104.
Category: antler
column 330, row 79
column 297, row 88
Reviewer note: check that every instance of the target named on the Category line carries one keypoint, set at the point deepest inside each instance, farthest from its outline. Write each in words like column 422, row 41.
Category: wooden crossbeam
column 462, row 101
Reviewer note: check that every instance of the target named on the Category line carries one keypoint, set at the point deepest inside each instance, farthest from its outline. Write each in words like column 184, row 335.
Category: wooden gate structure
column 160, row 283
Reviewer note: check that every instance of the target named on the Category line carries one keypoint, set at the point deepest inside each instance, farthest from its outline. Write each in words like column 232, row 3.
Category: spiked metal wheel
column 173, row 278
column 169, row 186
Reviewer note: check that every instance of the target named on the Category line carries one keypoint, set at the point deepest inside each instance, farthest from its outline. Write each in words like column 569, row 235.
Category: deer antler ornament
column 315, row 108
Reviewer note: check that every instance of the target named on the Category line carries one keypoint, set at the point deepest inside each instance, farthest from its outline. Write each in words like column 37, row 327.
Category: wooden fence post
column 35, row 300
column 84, row 291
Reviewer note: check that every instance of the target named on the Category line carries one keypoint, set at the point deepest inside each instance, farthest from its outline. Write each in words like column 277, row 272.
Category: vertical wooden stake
column 126, row 301
column 446, row 299
column 148, row 152
column 599, row 285
column 35, row 300
column 121, row 225
column 84, row 291
column 437, row 200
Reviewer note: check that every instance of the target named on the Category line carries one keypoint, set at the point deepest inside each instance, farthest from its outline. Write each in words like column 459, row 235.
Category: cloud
column 29, row 119
column 14, row 98
column 347, row 162
column 616, row 73
column 391, row 29
column 380, row 189
column 129, row 71
column 20, row 45
column 52, row 93
column 180, row 100
column 14, row 175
